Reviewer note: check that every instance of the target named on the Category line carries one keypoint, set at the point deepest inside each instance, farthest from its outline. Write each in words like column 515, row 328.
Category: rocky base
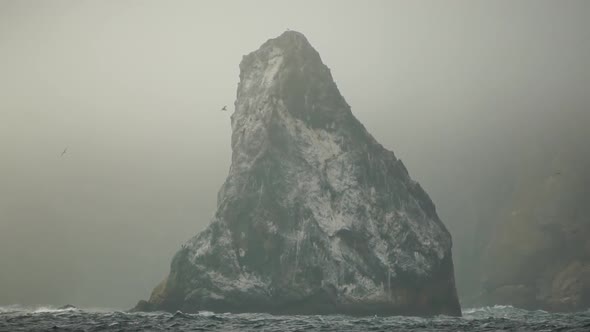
column 323, row 302
column 564, row 290
column 416, row 298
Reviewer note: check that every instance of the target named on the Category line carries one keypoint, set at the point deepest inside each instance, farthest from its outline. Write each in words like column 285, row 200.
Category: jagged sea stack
column 315, row 216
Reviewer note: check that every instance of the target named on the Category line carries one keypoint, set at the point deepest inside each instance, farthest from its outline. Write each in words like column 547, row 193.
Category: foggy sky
column 133, row 90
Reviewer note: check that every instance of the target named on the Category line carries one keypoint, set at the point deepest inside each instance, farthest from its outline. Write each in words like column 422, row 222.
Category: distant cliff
column 528, row 246
column 540, row 248
column 315, row 216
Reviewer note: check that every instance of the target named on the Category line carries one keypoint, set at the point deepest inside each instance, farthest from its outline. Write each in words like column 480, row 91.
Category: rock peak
column 291, row 50
column 288, row 71
column 291, row 37
column 289, row 41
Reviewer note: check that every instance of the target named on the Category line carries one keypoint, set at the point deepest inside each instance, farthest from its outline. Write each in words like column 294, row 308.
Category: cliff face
column 520, row 226
column 315, row 216
column 539, row 247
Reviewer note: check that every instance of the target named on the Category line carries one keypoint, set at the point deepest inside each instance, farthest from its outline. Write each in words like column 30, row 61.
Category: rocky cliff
column 538, row 256
column 520, row 217
column 315, row 216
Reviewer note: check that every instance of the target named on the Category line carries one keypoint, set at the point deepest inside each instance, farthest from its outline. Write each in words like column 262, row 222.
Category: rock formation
column 520, row 220
column 315, row 216
column 539, row 255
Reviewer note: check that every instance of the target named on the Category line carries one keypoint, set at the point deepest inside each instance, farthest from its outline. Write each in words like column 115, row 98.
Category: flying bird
column 224, row 108
column 63, row 152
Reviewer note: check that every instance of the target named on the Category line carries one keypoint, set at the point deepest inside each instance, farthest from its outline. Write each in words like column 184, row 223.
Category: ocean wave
column 51, row 308
column 31, row 309
column 11, row 308
column 497, row 307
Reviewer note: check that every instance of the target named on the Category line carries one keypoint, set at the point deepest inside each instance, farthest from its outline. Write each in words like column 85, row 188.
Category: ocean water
column 497, row 318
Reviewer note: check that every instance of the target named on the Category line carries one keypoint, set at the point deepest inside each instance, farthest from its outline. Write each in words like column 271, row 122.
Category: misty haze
column 339, row 158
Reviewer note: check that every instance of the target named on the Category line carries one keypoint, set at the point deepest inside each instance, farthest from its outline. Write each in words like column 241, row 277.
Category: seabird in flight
column 224, row 108
column 64, row 152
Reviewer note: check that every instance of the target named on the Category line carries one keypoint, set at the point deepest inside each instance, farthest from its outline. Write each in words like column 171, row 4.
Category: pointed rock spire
column 315, row 216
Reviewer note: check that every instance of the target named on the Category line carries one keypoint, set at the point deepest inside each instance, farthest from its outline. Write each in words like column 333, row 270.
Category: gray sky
column 133, row 90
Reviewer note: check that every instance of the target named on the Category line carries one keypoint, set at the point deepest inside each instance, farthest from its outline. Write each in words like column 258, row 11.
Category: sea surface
column 497, row 318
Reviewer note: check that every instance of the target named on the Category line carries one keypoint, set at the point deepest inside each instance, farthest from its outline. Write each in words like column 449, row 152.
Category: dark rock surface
column 539, row 248
column 537, row 253
column 315, row 216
